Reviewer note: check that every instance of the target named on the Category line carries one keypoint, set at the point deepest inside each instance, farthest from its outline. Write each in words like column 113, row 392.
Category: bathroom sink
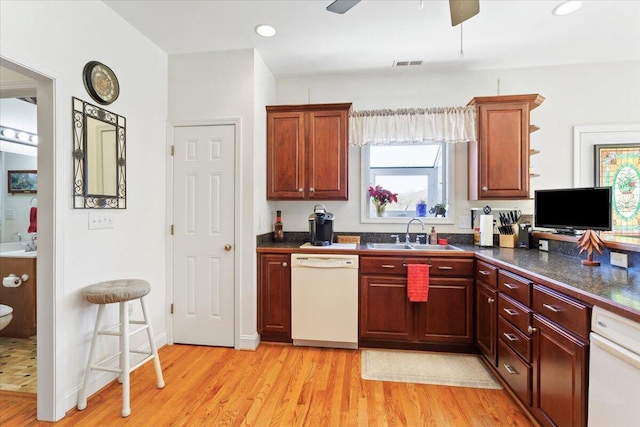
column 411, row 247
column 19, row 254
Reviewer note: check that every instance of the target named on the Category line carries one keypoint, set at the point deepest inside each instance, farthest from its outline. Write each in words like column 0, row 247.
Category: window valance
column 415, row 125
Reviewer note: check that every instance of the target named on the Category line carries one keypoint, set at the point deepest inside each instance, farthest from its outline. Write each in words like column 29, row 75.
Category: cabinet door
column 486, row 321
column 274, row 297
column 286, row 154
column 559, row 376
column 446, row 316
column 385, row 310
column 502, row 152
column 22, row 298
column 327, row 167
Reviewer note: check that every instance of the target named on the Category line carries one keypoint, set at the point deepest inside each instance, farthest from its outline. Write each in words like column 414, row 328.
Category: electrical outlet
column 464, row 222
column 10, row 214
column 543, row 245
column 259, row 222
column 98, row 220
column 619, row 260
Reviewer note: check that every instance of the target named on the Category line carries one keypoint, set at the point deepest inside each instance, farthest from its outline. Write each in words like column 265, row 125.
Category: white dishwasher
column 324, row 300
column 614, row 371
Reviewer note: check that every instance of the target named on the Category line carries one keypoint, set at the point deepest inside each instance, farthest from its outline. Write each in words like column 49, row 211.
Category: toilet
column 6, row 314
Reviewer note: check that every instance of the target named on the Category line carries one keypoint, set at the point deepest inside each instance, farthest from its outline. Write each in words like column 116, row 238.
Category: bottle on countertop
column 278, row 231
column 476, row 236
column 433, row 237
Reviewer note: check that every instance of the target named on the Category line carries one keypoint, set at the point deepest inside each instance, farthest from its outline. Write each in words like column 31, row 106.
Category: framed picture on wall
column 22, row 181
column 618, row 166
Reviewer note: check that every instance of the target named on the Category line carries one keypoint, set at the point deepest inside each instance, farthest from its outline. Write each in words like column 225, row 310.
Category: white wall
column 62, row 37
column 231, row 85
column 575, row 95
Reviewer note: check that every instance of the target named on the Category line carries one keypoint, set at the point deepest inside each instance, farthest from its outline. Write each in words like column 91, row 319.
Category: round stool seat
column 116, row 291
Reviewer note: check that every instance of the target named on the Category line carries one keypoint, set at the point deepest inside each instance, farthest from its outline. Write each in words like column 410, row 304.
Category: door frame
column 50, row 397
column 238, row 214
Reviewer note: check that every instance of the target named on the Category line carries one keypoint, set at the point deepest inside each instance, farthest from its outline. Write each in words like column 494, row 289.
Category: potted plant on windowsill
column 381, row 198
column 439, row 209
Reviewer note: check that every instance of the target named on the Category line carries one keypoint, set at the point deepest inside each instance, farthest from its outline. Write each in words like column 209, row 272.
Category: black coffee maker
column 320, row 226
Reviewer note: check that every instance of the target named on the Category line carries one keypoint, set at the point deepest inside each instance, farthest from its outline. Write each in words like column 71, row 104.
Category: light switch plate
column 619, row 259
column 464, row 222
column 10, row 214
column 99, row 220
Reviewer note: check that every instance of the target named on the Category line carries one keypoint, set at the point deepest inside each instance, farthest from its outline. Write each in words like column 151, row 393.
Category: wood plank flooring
column 277, row 385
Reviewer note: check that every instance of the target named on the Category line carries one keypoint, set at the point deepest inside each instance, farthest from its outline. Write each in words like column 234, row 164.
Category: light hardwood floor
column 277, row 385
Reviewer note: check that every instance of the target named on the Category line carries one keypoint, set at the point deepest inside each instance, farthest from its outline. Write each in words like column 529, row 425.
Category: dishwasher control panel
column 324, row 261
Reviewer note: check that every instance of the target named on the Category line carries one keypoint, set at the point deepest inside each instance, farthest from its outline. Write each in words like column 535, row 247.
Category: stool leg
column 82, row 397
column 124, row 357
column 152, row 344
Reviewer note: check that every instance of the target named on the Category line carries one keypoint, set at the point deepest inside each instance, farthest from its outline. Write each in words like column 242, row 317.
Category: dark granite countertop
column 615, row 289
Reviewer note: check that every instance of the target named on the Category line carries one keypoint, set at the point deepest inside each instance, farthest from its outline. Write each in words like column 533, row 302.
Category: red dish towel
column 33, row 220
column 418, row 282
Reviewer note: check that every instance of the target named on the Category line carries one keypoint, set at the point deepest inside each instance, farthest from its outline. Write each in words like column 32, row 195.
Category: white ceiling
column 375, row 33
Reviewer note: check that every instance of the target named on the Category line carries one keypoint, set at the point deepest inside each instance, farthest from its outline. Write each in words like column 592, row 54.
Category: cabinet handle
column 485, row 188
column 511, row 286
column 445, row 267
column 311, row 189
column 552, row 308
column 531, row 330
column 490, row 300
column 484, row 272
column 388, row 266
column 300, row 190
column 284, row 264
column 511, row 311
column 510, row 337
column 510, row 369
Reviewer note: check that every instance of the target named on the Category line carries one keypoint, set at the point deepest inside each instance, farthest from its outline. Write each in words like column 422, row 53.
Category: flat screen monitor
column 572, row 209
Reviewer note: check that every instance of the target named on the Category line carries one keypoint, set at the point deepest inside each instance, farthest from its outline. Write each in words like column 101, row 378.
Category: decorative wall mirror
column 99, row 156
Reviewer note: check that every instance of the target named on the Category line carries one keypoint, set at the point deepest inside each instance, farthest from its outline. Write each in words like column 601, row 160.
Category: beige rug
column 459, row 370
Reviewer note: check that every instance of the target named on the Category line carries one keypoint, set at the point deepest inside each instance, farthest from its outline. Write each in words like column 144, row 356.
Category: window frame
column 448, row 186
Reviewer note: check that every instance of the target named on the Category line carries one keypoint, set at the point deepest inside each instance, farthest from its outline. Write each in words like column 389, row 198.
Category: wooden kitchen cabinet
column 274, row 297
column 486, row 309
column 387, row 317
column 499, row 160
column 307, row 152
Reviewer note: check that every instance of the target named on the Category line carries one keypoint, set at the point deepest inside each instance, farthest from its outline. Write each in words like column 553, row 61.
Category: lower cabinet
column 385, row 310
column 274, row 297
column 22, row 298
column 486, row 321
column 559, row 375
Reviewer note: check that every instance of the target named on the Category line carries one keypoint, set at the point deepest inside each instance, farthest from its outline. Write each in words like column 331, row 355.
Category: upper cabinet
column 307, row 152
column 499, row 159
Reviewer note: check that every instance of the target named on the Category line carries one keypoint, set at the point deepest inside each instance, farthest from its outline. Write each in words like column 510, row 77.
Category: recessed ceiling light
column 265, row 30
column 566, row 8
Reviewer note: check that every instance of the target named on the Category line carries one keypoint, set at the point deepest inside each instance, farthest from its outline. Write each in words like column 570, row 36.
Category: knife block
column 509, row 240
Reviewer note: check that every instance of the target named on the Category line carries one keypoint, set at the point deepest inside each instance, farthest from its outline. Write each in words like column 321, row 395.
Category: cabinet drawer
column 440, row 267
column 487, row 274
column 514, row 312
column 567, row 313
column 516, row 287
column 450, row 267
column 516, row 340
column 515, row 372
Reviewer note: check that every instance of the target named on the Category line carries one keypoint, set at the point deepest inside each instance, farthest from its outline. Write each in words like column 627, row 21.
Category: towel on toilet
column 418, row 282
column 33, row 220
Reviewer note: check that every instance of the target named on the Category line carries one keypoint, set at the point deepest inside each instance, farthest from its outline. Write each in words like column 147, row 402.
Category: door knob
column 284, row 264
column 485, row 188
column 227, row 247
column 491, row 300
column 531, row 330
column 300, row 190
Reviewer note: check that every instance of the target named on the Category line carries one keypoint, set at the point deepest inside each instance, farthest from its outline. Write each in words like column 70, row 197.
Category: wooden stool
column 120, row 291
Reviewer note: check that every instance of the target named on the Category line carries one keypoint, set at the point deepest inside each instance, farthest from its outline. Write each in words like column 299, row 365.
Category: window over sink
column 416, row 172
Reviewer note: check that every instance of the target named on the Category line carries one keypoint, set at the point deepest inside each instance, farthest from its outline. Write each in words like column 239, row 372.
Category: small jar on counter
column 476, row 236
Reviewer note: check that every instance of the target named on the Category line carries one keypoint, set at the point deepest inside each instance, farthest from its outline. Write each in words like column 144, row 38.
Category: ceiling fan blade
column 341, row 6
column 461, row 10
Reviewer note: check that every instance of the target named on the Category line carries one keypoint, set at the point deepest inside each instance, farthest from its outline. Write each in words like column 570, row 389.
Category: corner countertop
column 615, row 289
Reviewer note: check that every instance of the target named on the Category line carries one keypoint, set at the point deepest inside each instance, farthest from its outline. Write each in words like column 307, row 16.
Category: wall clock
column 101, row 82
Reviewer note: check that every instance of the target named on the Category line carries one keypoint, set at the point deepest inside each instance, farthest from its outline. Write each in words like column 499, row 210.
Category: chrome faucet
column 33, row 245
column 407, row 237
column 18, row 235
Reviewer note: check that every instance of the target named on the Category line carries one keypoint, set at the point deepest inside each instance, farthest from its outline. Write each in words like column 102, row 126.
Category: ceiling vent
column 406, row 63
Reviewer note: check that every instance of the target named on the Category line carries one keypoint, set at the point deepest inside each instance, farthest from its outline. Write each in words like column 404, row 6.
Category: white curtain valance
column 415, row 125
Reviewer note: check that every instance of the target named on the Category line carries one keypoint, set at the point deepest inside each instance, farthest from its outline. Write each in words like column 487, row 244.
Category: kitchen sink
column 411, row 247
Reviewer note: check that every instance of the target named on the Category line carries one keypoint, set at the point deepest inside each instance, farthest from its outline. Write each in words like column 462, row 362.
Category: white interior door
column 203, row 239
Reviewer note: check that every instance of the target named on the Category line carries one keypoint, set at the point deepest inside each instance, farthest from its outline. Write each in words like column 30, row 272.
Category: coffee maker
column 320, row 226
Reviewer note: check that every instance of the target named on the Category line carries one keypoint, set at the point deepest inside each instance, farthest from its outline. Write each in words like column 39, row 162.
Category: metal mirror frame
column 81, row 110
